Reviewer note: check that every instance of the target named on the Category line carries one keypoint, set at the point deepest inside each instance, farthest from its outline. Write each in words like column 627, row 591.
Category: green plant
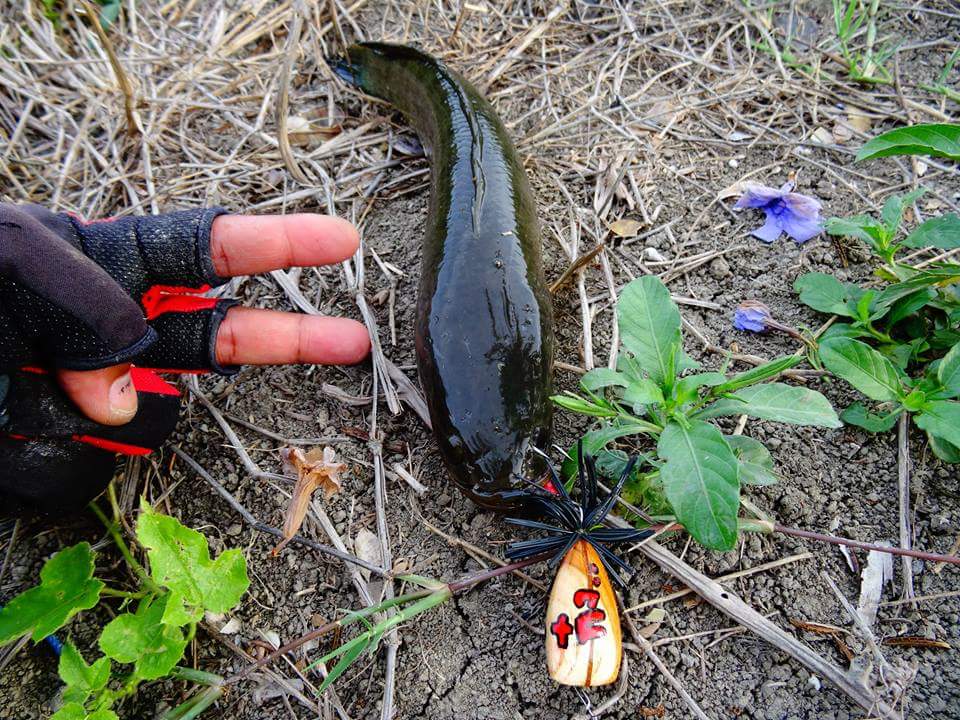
column 694, row 472
column 867, row 65
column 933, row 139
column 897, row 339
column 147, row 639
column 941, row 86
column 109, row 11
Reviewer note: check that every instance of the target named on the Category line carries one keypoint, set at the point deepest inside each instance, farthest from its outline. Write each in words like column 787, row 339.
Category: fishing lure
column 583, row 637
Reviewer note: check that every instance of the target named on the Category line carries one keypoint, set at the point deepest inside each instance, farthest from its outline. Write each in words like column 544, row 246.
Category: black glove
column 84, row 296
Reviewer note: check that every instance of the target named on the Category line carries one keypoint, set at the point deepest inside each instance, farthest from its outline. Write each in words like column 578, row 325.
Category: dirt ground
column 644, row 110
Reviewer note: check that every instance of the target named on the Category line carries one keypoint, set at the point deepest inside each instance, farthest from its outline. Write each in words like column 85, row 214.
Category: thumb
column 105, row 396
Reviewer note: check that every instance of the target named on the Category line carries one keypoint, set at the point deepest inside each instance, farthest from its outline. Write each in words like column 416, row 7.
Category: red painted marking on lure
column 588, row 625
column 561, row 629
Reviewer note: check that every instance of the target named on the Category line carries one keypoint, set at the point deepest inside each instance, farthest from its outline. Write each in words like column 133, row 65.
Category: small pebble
column 720, row 268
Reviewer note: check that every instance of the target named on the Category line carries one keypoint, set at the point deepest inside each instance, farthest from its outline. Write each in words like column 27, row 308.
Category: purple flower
column 752, row 315
column 795, row 214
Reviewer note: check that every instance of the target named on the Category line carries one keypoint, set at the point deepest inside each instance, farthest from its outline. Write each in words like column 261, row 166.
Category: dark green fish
column 484, row 331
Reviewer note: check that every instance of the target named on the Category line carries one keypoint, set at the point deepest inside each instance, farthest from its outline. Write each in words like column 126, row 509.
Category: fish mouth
column 344, row 69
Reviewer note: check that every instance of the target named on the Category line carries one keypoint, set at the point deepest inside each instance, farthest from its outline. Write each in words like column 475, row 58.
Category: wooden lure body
column 583, row 636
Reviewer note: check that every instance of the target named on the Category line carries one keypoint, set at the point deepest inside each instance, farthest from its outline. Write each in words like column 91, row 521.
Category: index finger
column 249, row 244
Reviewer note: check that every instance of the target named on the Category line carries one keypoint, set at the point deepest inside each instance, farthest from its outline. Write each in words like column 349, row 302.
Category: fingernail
column 123, row 398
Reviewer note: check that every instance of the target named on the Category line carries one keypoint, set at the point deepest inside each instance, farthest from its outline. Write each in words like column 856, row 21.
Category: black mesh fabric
column 72, row 296
column 197, row 332
column 71, row 291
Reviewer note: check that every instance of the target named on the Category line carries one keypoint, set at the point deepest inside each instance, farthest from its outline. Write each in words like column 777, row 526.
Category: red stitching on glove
column 112, row 445
column 147, row 380
column 162, row 299
column 83, row 221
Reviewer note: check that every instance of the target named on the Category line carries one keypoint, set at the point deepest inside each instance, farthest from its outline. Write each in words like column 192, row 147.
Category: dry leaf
column 231, row 627
column 303, row 132
column 843, row 648
column 858, row 120
column 819, row 628
column 366, row 546
column 917, row 642
column 314, row 469
column 272, row 637
column 822, row 136
column 877, row 573
column 842, row 131
column 625, row 227
column 735, row 190
column 653, row 621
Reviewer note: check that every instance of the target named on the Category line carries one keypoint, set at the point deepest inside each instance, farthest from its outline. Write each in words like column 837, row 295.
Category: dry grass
column 635, row 110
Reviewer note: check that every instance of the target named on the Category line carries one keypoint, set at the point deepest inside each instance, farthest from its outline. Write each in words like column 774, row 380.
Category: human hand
column 248, row 245
column 80, row 302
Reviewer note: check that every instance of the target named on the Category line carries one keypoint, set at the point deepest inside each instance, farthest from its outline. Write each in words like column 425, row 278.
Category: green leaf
column 603, row 377
column 858, row 414
column 66, row 587
column 940, row 232
column 595, row 440
column 686, row 389
column 844, row 330
column 893, row 292
column 909, row 304
column 142, row 638
column 103, row 715
column 650, row 327
column 756, row 465
column 354, row 649
column 611, row 463
column 779, row 402
column 82, row 680
column 70, row 711
column 824, row 293
column 941, row 418
column 76, row 711
column 864, row 227
column 863, row 367
column 946, row 451
column 893, row 210
column 700, row 481
column 582, row 406
column 933, row 139
column 643, row 392
column 760, row 373
column 180, row 560
column 109, row 12
column 948, row 371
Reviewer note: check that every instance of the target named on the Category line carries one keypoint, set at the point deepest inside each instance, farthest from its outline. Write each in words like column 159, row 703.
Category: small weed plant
column 897, row 339
column 659, row 401
column 147, row 638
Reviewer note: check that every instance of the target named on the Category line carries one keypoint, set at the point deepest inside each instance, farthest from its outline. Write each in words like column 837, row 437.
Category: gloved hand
column 81, row 301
